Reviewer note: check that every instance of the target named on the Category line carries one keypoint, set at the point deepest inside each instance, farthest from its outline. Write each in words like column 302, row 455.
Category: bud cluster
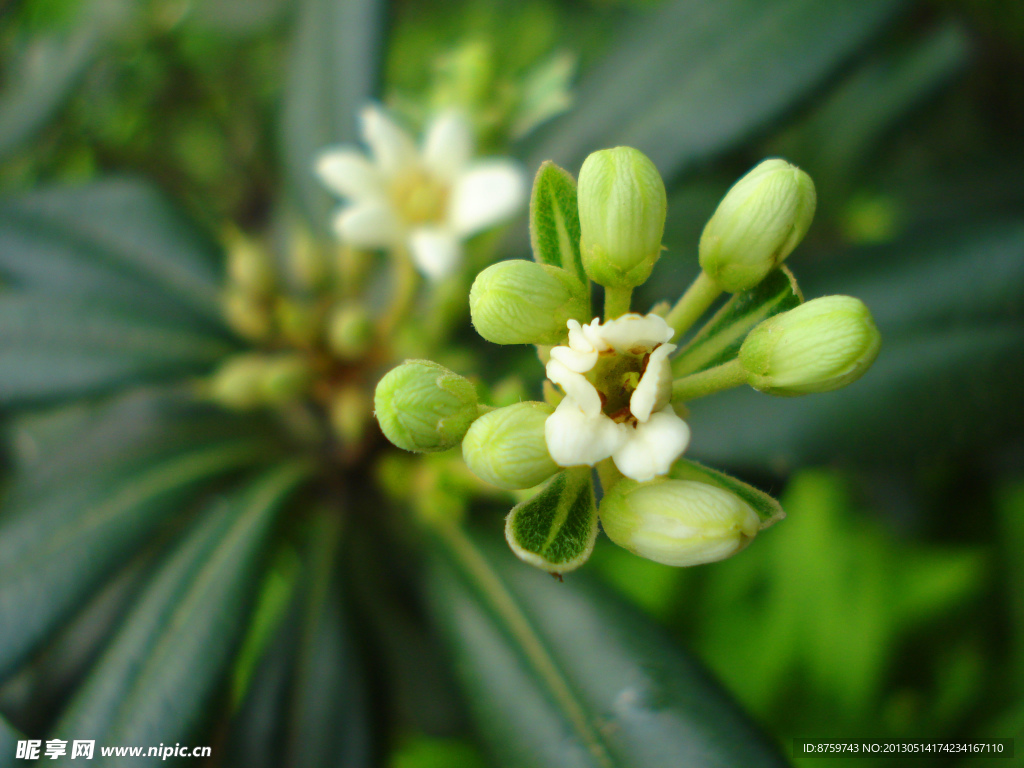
column 616, row 387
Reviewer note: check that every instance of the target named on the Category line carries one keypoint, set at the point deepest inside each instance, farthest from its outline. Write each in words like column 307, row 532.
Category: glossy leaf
column 332, row 75
column 565, row 675
column 767, row 508
column 170, row 657
column 52, row 348
column 118, row 240
column 735, row 65
column 719, row 340
column 555, row 529
column 555, row 220
column 63, row 532
column 41, row 75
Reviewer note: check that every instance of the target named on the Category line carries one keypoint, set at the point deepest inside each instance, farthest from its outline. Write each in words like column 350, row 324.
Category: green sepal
column 720, row 339
column 767, row 508
column 556, row 529
column 555, row 220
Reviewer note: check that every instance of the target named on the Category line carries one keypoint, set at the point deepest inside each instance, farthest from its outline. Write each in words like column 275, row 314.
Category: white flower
column 645, row 436
column 428, row 199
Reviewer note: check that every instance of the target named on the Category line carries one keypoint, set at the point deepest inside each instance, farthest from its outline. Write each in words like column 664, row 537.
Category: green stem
column 616, row 302
column 724, row 376
column 695, row 302
column 475, row 565
column 608, row 474
column 406, row 281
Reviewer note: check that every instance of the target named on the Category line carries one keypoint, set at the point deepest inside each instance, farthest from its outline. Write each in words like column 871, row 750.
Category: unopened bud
column 249, row 265
column 622, row 206
column 677, row 522
column 523, row 302
column 423, row 406
column 506, row 447
column 252, row 380
column 350, row 411
column 246, row 314
column 822, row 345
column 349, row 331
column 757, row 225
column 285, row 378
column 299, row 321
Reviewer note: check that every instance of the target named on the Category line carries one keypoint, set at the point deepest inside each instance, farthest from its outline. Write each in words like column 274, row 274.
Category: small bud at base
column 423, row 407
column 507, row 448
column 677, row 522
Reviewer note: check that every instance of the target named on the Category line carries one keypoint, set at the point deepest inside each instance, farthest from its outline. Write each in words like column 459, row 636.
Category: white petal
column 592, row 333
column 578, row 338
column 392, row 147
column 487, row 193
column 349, row 173
column 653, row 446
column 655, row 387
column 576, row 387
column 573, row 359
column 448, row 145
column 574, row 438
column 370, row 224
column 633, row 331
column 435, row 251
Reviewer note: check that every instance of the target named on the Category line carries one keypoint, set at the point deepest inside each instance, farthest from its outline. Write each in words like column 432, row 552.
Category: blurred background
column 890, row 602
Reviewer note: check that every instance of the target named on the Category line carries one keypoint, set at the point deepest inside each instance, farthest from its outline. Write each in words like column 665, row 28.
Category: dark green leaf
column 118, row 240
column 720, row 339
column 56, row 348
column 41, row 75
column 767, row 508
column 170, row 657
column 692, row 79
column 565, row 675
column 332, row 74
column 328, row 722
column 555, row 220
column 8, row 743
column 556, row 528
column 61, row 533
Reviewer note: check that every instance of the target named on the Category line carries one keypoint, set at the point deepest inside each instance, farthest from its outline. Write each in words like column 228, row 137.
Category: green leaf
column 117, row 240
column 40, row 76
column 169, row 659
column 555, row 220
column 332, row 75
column 9, row 738
column 555, row 529
column 52, row 348
column 720, row 339
column 567, row 676
column 767, row 508
column 63, row 532
column 735, row 66
column 328, row 721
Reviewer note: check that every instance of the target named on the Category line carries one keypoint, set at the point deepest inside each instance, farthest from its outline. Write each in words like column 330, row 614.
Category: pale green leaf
column 555, row 220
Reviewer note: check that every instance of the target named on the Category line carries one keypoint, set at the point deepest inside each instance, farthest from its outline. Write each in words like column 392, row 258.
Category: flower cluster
column 617, row 386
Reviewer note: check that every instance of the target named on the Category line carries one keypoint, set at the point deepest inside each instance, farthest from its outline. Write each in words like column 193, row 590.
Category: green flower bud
column 757, row 225
column 249, row 265
column 677, row 522
column 247, row 315
column 350, row 410
column 506, row 447
column 822, row 345
column 622, row 216
column 423, row 406
column 523, row 302
column 252, row 380
column 285, row 378
column 349, row 331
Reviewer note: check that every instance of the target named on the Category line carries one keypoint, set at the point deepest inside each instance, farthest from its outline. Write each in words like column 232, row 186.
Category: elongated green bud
column 757, row 225
column 822, row 345
column 507, row 448
column 249, row 265
column 523, row 302
column 622, row 206
column 252, row 380
column 424, row 407
column 677, row 522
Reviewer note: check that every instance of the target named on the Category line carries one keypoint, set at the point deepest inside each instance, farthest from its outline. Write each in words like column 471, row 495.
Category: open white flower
column 427, row 199
column 621, row 410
